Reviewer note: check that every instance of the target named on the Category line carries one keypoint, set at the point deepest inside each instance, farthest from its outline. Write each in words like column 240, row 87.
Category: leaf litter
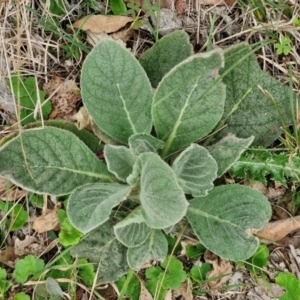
column 66, row 97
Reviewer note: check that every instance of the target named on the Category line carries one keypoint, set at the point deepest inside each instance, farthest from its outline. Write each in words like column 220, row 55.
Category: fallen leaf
column 275, row 231
column 101, row 23
column 180, row 6
column 8, row 256
column 21, row 246
column 81, row 118
column 184, row 292
column 220, row 268
column 216, row 2
column 144, row 294
column 11, row 194
column 65, row 96
column 95, row 38
column 48, row 221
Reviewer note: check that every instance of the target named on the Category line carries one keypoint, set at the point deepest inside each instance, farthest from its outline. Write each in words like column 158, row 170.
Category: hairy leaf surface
column 162, row 199
column 196, row 170
column 120, row 161
column 189, row 101
column 51, row 161
column 224, row 220
column 103, row 249
column 116, row 91
column 166, row 54
column 90, row 205
column 154, row 248
column 133, row 230
column 228, row 150
column 142, row 142
column 256, row 103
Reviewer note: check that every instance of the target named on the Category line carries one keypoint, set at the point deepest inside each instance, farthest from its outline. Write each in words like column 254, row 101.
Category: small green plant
column 258, row 260
column 16, row 215
column 291, row 284
column 284, row 46
column 31, row 100
column 162, row 154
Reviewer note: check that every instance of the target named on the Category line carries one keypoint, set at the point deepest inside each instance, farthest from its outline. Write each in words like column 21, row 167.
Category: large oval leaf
column 163, row 201
column 228, row 150
column 51, row 161
column 224, row 219
column 90, row 205
column 189, row 101
column 154, row 248
column 120, row 160
column 116, row 91
column 133, row 230
column 102, row 248
column 196, row 170
column 166, row 54
column 256, row 103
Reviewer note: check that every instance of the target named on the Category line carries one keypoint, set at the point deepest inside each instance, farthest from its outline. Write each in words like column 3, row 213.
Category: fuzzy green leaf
column 256, row 165
column 116, row 91
column 256, row 103
column 189, row 101
column 223, row 220
column 196, row 170
column 53, row 287
column 166, row 54
column 228, row 150
column 103, row 249
column 120, row 161
column 142, row 142
column 90, row 205
column 51, row 161
column 133, row 230
column 154, row 248
column 160, row 193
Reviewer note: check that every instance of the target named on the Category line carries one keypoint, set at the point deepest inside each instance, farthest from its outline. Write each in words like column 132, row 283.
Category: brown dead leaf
column 31, row 245
column 101, row 23
column 8, row 256
column 184, row 292
column 95, row 38
column 220, row 267
column 12, row 194
column 144, row 294
column 180, row 6
column 48, row 221
column 81, row 118
column 275, row 231
column 66, row 95
column 217, row 2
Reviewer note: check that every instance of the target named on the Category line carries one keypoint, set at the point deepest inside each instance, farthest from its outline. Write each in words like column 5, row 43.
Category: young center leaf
column 256, row 103
column 102, row 249
column 90, row 205
column 166, row 54
column 142, row 142
column 120, row 161
column 133, row 230
column 225, row 218
column 196, row 170
column 116, row 91
column 51, row 161
column 189, row 101
column 154, row 248
column 228, row 150
column 162, row 199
